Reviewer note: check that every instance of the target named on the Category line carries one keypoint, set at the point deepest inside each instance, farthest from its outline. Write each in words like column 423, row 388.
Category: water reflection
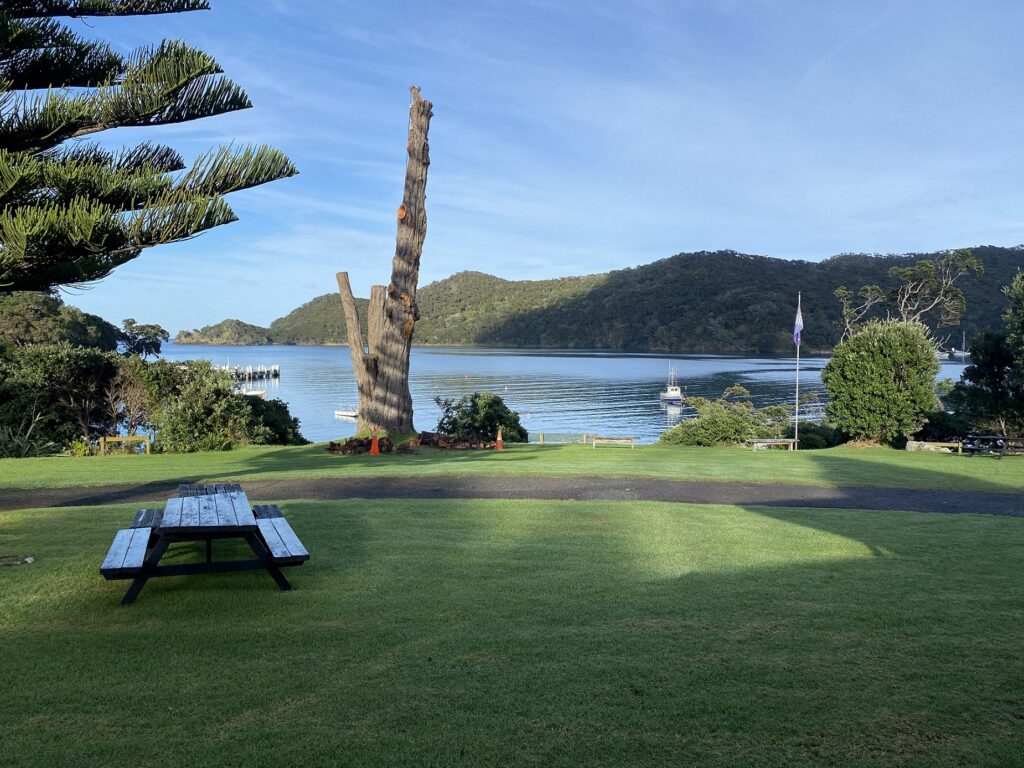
column 555, row 392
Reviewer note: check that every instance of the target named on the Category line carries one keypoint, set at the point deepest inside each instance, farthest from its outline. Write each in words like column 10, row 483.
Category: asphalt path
column 561, row 488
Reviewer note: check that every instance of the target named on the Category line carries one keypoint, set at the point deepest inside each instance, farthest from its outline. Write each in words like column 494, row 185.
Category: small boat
column 673, row 393
column 963, row 353
column 346, row 414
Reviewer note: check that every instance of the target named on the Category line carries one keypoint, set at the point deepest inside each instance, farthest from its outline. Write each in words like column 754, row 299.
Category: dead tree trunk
column 381, row 366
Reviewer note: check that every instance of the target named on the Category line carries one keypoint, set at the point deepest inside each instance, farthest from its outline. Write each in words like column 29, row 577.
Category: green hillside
column 320, row 321
column 232, row 332
column 712, row 302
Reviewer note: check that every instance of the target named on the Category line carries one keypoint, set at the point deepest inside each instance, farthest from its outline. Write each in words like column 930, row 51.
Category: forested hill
column 714, row 302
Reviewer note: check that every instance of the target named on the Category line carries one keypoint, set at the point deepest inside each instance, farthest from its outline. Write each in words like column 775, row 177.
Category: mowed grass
column 834, row 467
column 489, row 633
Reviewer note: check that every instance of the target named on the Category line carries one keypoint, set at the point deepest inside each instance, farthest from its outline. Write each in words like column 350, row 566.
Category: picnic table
column 998, row 445
column 203, row 514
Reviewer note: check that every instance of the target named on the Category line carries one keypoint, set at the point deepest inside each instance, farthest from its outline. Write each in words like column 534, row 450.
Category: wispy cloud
column 573, row 137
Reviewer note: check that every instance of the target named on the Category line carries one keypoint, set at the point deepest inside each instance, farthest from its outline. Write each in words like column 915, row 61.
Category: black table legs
column 151, row 565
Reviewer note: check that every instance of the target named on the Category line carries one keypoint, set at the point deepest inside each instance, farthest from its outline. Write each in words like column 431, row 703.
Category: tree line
column 722, row 302
column 74, row 210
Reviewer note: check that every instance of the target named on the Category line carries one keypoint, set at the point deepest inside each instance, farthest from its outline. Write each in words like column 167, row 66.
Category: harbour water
column 556, row 392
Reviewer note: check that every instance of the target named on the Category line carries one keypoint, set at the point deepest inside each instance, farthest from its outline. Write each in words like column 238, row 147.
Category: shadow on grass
column 843, row 468
column 547, row 634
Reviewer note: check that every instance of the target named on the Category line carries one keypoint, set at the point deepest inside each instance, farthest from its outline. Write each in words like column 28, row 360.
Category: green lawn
column 835, row 467
column 486, row 633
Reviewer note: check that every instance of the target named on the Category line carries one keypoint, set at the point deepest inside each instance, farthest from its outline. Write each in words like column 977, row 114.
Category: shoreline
column 575, row 350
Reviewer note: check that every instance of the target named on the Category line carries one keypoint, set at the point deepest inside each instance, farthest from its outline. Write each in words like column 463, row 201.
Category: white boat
column 673, row 392
column 346, row 414
column 963, row 353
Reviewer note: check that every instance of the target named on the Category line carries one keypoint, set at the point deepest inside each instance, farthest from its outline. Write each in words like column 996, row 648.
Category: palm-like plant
column 73, row 211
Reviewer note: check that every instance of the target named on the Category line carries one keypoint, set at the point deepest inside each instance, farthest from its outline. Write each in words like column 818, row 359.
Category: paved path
column 582, row 488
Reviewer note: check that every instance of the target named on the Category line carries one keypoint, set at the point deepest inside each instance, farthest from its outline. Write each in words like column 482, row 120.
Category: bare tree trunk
column 381, row 366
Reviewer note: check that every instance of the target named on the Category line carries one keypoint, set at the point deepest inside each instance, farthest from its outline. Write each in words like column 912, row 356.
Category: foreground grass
column 527, row 633
column 834, row 467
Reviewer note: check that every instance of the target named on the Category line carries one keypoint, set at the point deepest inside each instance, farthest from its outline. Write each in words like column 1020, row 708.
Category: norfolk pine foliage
column 73, row 211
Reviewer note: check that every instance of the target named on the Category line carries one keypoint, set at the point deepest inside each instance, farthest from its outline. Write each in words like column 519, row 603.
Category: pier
column 250, row 372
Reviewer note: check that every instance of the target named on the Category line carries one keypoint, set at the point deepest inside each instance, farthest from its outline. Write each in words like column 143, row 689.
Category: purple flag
column 798, row 326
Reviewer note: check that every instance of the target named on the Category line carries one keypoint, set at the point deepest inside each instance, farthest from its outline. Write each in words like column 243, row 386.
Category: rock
column 918, row 445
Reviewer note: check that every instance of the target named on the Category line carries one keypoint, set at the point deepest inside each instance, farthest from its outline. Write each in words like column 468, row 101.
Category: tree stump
column 381, row 365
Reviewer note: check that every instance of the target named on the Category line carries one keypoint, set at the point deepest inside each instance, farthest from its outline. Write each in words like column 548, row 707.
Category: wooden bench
column 284, row 545
column 146, row 440
column 207, row 489
column 126, row 554
column 147, row 518
column 631, row 441
column 772, row 442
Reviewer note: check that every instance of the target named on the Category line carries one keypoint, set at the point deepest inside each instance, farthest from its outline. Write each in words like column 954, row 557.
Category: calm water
column 555, row 392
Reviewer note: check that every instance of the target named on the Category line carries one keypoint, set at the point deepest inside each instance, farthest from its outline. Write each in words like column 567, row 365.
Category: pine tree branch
column 171, row 84
column 227, row 170
column 26, row 9
column 82, row 241
column 42, row 53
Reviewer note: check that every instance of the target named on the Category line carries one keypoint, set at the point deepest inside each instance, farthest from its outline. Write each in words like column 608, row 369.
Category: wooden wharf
column 251, row 372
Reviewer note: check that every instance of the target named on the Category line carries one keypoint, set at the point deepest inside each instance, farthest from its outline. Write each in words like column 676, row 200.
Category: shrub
column 881, row 381
column 279, row 427
column 942, row 427
column 729, row 420
column 196, row 409
column 18, row 441
column 60, row 388
column 814, row 436
column 479, row 415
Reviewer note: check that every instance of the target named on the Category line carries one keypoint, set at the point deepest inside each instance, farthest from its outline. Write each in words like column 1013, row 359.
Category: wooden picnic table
column 998, row 445
column 223, row 514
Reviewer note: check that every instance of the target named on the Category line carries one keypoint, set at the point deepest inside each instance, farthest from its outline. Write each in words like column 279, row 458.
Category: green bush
column 814, row 436
column 60, row 388
column 279, row 427
column 942, row 427
column 881, row 381
column 18, row 441
column 729, row 420
column 478, row 416
column 196, row 409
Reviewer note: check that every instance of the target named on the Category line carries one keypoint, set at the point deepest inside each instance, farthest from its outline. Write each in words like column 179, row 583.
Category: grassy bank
column 528, row 633
column 834, row 467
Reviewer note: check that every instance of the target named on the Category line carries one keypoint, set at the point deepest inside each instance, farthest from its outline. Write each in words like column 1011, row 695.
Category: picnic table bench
column 199, row 516
column 614, row 441
column 994, row 444
column 772, row 442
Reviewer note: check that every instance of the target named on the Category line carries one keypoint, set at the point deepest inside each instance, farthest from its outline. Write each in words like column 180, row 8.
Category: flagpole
column 796, row 424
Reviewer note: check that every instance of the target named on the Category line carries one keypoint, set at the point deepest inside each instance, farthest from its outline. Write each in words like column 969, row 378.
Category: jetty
column 250, row 372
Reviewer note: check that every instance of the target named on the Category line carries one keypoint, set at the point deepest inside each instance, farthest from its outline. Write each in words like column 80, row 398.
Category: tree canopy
column 926, row 287
column 72, row 210
column 991, row 394
column 881, row 381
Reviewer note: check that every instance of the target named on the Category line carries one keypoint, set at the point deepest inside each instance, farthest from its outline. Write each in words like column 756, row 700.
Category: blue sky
column 578, row 137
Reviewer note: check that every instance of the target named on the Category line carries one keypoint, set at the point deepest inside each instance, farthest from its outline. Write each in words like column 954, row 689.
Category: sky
column 576, row 137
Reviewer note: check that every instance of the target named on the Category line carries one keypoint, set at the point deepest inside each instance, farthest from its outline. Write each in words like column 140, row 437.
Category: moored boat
column 672, row 393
